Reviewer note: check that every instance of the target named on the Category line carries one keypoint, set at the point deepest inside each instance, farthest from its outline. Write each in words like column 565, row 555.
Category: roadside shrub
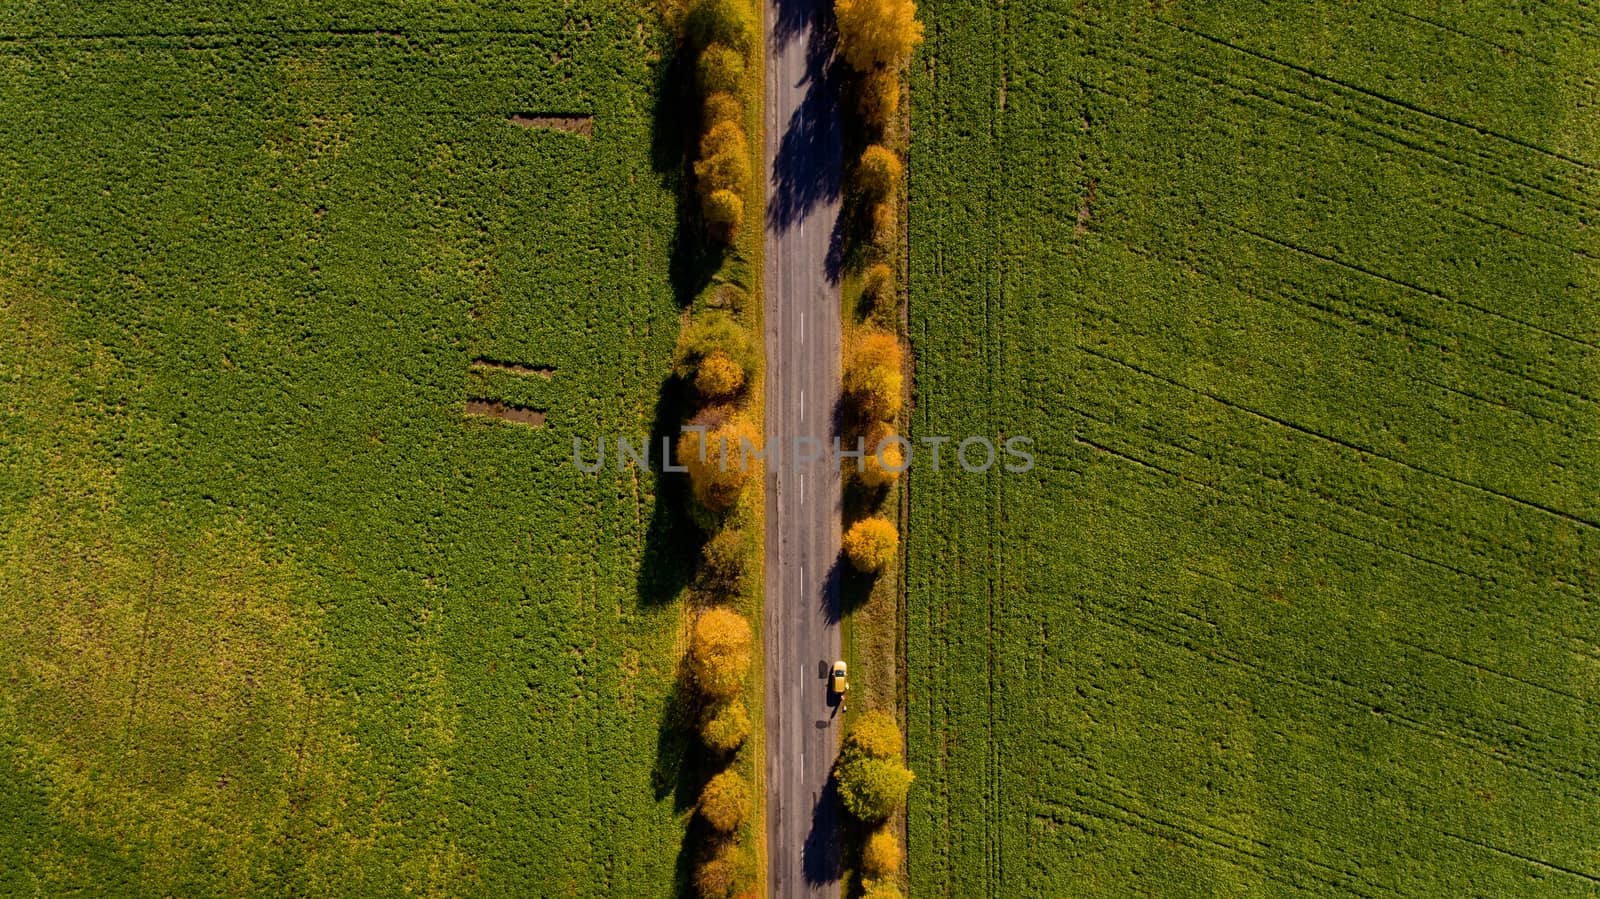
column 872, row 781
column 723, row 137
column 724, row 214
column 717, row 464
column 718, row 376
column 721, row 107
column 724, row 171
column 725, row 802
column 875, row 736
column 884, row 232
column 720, row 69
column 876, row 33
column 880, row 99
column 877, row 349
column 709, row 333
column 881, row 889
column 879, row 172
column 730, row 872
column 722, row 562
column 881, row 856
column 726, row 22
column 877, row 285
column 719, row 656
column 870, row 544
column 881, row 470
column 873, row 789
column 872, row 379
column 727, row 296
column 726, row 727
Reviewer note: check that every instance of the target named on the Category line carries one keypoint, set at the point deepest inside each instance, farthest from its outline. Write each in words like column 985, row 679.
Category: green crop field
column 276, row 616
column 1301, row 303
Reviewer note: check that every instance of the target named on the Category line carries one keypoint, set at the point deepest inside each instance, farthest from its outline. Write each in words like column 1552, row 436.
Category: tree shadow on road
column 824, row 851
column 828, row 598
column 807, row 169
column 795, row 17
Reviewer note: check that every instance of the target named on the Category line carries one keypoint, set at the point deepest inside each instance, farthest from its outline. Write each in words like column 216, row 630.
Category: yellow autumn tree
column 723, row 137
column 884, row 460
column 725, row 802
column 719, row 70
column 875, row 33
column 870, row 544
column 729, row 872
column 718, row 376
column 721, row 107
column 880, row 99
column 879, row 172
column 719, row 467
column 719, row 656
column 884, row 222
column 724, row 213
column 877, row 285
column 726, row 726
column 881, row 856
column 872, row 379
column 723, row 171
column 726, row 22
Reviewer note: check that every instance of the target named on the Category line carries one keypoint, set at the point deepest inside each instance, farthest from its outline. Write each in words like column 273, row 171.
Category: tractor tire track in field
column 1264, row 416
column 1417, row 288
column 1338, row 692
column 1384, row 518
column 1392, row 101
column 1313, row 108
column 1499, row 592
column 1388, row 322
column 1261, row 852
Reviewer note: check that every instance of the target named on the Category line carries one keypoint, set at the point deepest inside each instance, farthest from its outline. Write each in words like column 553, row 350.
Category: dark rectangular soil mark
column 571, row 123
column 533, row 418
column 515, row 368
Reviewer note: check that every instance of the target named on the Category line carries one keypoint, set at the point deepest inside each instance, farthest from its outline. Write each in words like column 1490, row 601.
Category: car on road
column 839, row 679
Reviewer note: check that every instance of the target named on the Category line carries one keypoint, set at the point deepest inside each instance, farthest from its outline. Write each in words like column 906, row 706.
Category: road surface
column 803, row 503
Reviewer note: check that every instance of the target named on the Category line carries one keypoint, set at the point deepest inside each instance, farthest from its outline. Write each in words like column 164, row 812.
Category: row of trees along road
column 876, row 39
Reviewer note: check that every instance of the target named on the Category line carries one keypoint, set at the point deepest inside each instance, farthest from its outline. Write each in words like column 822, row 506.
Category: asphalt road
column 803, row 503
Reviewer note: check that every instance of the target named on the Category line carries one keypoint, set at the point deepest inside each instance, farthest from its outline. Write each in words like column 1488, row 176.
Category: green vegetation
column 726, row 802
column 873, row 779
column 1300, row 597
column 278, row 619
column 726, row 727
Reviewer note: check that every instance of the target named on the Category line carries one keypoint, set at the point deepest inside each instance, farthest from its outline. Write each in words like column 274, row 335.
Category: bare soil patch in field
column 573, row 124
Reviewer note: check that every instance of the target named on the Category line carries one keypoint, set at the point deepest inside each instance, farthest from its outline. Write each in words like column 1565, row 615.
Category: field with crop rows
column 279, row 616
column 1301, row 303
